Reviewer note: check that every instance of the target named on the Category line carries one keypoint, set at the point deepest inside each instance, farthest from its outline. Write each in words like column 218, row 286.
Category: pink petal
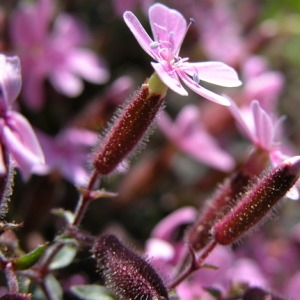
column 205, row 149
column 204, row 92
column 22, row 155
column 10, row 79
column 66, row 82
column 86, row 64
column 27, row 136
column 164, row 229
column 164, row 22
column 236, row 113
column 263, row 126
column 192, row 138
column 30, row 22
column 170, row 79
column 213, row 72
column 166, row 126
column 139, row 32
column 69, row 31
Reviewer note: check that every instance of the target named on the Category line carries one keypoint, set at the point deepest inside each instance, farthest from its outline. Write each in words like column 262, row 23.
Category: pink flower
column 58, row 55
column 68, row 153
column 265, row 132
column 16, row 134
column 169, row 28
column 261, row 84
column 190, row 136
column 262, row 129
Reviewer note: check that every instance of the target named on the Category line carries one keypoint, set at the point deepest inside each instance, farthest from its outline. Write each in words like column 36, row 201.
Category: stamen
column 192, row 21
column 154, row 45
column 196, row 78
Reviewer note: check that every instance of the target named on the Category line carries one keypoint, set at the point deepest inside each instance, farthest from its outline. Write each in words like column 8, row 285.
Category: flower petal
column 166, row 22
column 10, row 79
column 139, row 32
column 203, row 91
column 22, row 155
column 64, row 81
column 236, row 113
column 170, row 79
column 86, row 64
column 27, row 136
column 264, row 128
column 213, row 72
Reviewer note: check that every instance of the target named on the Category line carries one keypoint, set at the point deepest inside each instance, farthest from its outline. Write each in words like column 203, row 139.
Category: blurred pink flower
column 220, row 32
column 68, row 153
column 58, row 55
column 262, row 129
column 166, row 252
column 17, row 135
column 261, row 84
column 169, row 28
column 188, row 134
column 162, row 247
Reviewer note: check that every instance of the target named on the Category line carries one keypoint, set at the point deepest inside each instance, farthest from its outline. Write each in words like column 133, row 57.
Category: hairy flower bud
column 199, row 234
column 126, row 273
column 257, row 202
column 130, row 126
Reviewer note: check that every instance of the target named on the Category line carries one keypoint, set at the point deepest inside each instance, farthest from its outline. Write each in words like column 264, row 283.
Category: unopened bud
column 126, row 273
column 217, row 207
column 257, row 202
column 130, row 126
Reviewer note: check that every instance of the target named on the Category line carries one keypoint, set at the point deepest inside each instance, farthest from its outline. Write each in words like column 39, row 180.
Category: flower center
column 167, row 49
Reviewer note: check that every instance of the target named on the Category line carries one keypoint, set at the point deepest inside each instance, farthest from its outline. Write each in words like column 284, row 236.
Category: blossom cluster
column 165, row 171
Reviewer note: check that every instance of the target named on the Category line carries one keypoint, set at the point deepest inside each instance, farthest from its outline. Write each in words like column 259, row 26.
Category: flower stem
column 196, row 264
column 85, row 200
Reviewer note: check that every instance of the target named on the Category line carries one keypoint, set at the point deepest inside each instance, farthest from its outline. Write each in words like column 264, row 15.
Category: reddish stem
column 195, row 265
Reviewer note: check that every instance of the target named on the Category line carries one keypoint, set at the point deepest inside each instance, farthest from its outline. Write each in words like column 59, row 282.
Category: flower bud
column 126, row 273
column 257, row 202
column 130, row 126
column 226, row 196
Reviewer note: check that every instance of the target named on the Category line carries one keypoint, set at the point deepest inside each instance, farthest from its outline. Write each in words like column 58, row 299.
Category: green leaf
column 214, row 292
column 66, row 214
column 28, row 260
column 53, row 286
column 64, row 256
column 92, row 292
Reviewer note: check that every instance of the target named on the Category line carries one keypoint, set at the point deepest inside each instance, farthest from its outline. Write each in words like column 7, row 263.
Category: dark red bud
column 126, row 273
column 128, row 130
column 257, row 202
column 227, row 195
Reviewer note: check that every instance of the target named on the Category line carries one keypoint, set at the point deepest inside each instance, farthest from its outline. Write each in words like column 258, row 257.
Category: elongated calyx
column 130, row 126
column 199, row 234
column 126, row 273
column 257, row 202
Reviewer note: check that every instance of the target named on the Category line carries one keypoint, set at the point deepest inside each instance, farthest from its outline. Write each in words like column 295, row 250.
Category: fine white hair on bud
column 126, row 273
column 257, row 202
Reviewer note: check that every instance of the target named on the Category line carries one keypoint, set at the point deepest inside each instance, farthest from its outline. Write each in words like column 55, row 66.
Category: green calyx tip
column 156, row 86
